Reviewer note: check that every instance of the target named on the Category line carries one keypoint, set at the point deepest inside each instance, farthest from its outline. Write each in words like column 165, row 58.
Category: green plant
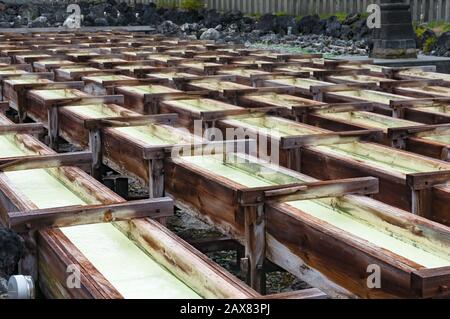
column 281, row 14
column 192, row 4
column 169, row 4
column 429, row 44
column 341, row 16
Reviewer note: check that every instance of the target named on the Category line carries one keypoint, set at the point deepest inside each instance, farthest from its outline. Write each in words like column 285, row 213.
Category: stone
column 307, row 23
column 11, row 250
column 284, row 23
column 100, row 22
column 211, row 34
column 443, row 44
column 39, row 22
column 396, row 38
column 3, row 286
column 333, row 27
column 267, row 23
column 169, row 28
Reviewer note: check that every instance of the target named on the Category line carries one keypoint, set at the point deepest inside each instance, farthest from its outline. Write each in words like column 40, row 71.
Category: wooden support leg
column 156, row 181
column 53, row 127
column 21, row 105
column 318, row 96
column 445, row 154
column 95, row 146
column 255, row 242
column 295, row 159
column 421, row 202
column 151, row 108
column 28, row 265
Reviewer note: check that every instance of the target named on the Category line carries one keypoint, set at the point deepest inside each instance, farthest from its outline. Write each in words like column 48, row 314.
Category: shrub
column 169, row 4
column 429, row 44
column 192, row 4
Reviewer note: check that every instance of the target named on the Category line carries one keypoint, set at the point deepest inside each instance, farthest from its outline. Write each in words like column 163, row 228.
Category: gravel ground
column 190, row 228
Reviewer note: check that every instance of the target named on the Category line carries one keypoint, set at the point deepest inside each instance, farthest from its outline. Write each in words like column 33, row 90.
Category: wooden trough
column 122, row 259
column 426, row 110
column 332, row 155
column 257, row 218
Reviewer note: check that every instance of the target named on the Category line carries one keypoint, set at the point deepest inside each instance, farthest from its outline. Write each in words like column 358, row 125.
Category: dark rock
column 210, row 34
column 267, row 23
column 360, row 30
column 39, row 22
column 333, row 27
column 285, row 23
column 101, row 22
column 307, row 24
column 346, row 32
column 168, row 27
column 150, row 15
column 11, row 250
column 443, row 44
column 351, row 18
column 212, row 18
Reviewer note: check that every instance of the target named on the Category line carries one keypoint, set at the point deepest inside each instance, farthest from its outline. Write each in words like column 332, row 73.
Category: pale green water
column 372, row 96
column 437, row 90
column 78, row 69
column 27, row 80
column 436, row 109
column 214, row 85
column 278, row 126
column 378, row 156
column 244, row 72
column 8, row 72
column 284, row 100
column 8, row 147
column 428, row 75
column 329, row 211
column 150, row 135
column 301, row 83
column 124, row 265
column 44, row 190
column 171, row 75
column 199, row 105
column 59, row 94
column 369, row 119
column 101, row 78
column 148, row 89
column 94, row 111
column 361, row 78
column 444, row 138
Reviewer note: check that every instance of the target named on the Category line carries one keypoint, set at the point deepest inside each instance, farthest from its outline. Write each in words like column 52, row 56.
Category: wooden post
column 295, row 159
column 255, row 243
column 420, row 185
column 156, row 178
column 21, row 104
column 156, row 182
column 95, row 146
column 53, row 126
column 28, row 265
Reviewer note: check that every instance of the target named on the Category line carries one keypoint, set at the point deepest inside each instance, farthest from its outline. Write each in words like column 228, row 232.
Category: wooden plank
column 290, row 142
column 28, row 128
column 311, row 293
column 431, row 283
column 4, row 106
column 210, row 147
column 333, row 188
column 44, row 161
column 419, row 181
column 142, row 120
column 81, row 215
